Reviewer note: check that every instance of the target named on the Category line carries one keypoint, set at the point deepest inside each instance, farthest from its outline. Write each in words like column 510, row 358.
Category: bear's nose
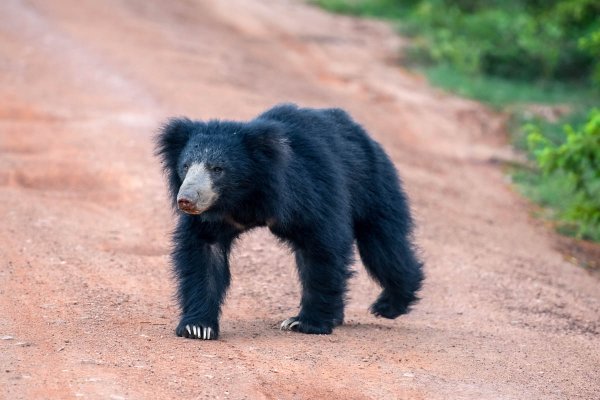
column 185, row 204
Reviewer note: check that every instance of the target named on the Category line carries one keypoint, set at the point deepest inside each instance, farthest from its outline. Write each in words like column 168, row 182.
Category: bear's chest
column 241, row 225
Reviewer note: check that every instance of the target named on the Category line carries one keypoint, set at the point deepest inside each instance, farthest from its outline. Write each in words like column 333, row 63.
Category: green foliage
column 492, row 41
column 575, row 164
column 530, row 40
column 591, row 44
column 552, row 131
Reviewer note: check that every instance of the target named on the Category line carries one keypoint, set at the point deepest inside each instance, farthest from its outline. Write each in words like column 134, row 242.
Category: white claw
column 195, row 328
column 209, row 333
column 288, row 323
column 205, row 333
column 293, row 324
column 187, row 327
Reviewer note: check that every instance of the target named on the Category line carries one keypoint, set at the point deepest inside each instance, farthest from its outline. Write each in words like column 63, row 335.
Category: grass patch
column 553, row 131
column 555, row 197
column 384, row 9
column 500, row 92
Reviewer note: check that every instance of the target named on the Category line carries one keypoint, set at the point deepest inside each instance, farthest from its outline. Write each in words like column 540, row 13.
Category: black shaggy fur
column 319, row 182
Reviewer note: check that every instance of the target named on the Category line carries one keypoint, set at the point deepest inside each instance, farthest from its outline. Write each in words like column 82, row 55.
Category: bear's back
column 329, row 130
column 332, row 148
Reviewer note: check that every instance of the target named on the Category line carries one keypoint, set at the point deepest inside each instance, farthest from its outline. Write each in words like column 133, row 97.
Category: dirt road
column 86, row 306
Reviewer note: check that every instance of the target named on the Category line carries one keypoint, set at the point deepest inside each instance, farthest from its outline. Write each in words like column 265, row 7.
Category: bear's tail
column 385, row 247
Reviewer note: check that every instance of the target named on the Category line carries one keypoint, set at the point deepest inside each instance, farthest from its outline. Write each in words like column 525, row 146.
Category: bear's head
column 221, row 165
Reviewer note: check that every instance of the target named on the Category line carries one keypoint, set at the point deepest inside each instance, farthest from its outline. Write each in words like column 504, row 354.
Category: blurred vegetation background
column 539, row 61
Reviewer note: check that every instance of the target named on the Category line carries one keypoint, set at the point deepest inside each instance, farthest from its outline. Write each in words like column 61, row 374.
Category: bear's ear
column 173, row 137
column 266, row 141
column 170, row 142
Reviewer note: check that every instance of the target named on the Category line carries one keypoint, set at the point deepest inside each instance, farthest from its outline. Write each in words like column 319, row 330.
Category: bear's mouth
column 192, row 212
column 188, row 208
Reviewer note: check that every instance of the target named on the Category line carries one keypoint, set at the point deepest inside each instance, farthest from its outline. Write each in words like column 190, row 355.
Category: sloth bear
column 317, row 181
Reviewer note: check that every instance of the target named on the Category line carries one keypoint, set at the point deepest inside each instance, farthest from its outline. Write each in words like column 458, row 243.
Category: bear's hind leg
column 324, row 284
column 386, row 250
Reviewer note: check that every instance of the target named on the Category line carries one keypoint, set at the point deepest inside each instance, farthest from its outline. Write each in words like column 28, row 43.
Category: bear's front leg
column 202, row 271
column 324, row 274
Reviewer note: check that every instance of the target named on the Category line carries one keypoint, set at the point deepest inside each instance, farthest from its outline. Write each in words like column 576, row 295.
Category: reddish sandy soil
column 86, row 295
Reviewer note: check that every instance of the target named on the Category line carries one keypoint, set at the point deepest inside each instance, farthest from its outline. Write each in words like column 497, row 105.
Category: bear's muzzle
column 196, row 193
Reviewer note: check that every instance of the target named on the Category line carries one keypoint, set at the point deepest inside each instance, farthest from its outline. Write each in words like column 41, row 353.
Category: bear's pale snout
column 196, row 193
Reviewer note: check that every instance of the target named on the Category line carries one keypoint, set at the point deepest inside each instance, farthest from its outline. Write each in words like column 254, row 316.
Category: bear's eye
column 216, row 169
column 186, row 167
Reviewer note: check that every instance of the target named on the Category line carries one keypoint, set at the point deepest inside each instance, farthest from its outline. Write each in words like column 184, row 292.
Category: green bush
column 591, row 44
column 576, row 163
column 529, row 40
column 525, row 40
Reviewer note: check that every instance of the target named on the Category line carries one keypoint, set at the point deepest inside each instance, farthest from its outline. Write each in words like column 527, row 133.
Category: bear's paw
column 297, row 324
column 389, row 307
column 196, row 331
